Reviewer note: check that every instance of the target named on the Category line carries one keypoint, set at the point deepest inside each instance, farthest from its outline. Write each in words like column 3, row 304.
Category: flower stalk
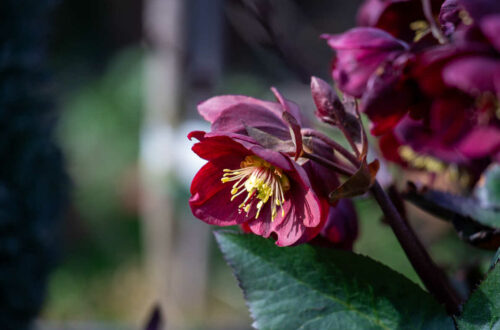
column 431, row 275
column 436, row 31
column 334, row 145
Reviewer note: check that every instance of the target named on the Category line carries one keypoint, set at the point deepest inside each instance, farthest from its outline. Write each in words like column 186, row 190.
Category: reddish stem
column 436, row 31
column 431, row 275
column 341, row 169
column 350, row 157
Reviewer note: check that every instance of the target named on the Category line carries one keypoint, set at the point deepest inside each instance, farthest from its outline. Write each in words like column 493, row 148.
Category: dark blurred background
column 126, row 76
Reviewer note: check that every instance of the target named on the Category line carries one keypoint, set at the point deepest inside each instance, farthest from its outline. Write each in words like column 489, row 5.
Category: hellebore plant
column 427, row 75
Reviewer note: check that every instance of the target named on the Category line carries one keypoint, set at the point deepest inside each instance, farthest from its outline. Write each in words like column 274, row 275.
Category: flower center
column 261, row 181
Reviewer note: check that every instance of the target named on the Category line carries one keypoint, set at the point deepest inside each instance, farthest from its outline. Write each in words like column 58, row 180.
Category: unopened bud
column 329, row 107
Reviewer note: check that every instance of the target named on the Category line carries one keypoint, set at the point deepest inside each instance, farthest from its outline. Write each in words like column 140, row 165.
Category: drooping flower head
column 360, row 52
column 244, row 183
column 253, row 177
column 403, row 19
column 436, row 98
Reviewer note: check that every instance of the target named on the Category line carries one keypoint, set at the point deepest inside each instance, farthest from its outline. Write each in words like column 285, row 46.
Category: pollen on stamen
column 262, row 182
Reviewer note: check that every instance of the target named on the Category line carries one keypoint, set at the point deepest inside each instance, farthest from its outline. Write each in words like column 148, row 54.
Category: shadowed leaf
column 476, row 224
column 482, row 310
column 357, row 184
column 309, row 287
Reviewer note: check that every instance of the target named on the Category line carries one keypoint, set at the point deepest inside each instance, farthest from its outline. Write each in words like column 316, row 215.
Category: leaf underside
column 307, row 287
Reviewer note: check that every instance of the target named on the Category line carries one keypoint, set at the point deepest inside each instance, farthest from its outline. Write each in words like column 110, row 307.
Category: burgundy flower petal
column 212, row 108
column 215, row 147
column 477, row 9
column 388, row 98
column 302, row 210
column 473, row 75
column 365, row 38
column 449, row 116
column 389, row 146
column 234, row 119
column 341, row 227
column 208, row 194
column 394, row 16
column 481, row 142
column 496, row 81
column 490, row 25
column 428, row 68
column 360, row 51
column 211, row 203
column 370, row 11
column 428, row 142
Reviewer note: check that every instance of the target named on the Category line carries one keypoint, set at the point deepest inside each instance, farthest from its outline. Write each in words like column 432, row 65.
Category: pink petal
column 473, row 75
column 481, row 142
column 213, row 107
column 490, row 25
column 234, row 119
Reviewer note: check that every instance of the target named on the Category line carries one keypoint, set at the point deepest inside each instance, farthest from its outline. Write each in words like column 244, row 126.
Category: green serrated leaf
column 482, row 310
column 308, row 287
column 496, row 259
column 489, row 191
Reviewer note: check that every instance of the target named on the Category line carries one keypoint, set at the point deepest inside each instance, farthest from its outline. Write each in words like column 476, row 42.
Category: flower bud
column 328, row 105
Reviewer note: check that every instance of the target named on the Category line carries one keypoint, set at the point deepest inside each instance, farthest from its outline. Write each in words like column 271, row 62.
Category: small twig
column 338, row 123
column 364, row 137
column 262, row 13
column 350, row 157
column 328, row 163
column 436, row 31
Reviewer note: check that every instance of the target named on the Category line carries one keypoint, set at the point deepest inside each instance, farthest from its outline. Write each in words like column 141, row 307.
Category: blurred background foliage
column 99, row 132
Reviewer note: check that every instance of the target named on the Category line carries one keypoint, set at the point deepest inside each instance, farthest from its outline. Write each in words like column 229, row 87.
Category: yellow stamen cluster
column 427, row 163
column 452, row 172
column 421, row 28
column 465, row 17
column 261, row 181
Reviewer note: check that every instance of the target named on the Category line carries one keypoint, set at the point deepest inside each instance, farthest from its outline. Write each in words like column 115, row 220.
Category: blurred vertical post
column 203, row 71
column 176, row 251
column 163, row 29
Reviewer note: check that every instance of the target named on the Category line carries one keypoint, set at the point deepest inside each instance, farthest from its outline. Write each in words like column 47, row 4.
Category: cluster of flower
column 256, row 175
column 428, row 76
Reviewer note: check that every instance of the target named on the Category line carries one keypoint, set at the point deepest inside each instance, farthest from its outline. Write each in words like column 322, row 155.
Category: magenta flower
column 474, row 75
column 244, row 183
column 478, row 72
column 441, row 100
column 234, row 113
column 231, row 113
column 252, row 178
column 396, row 17
column 341, row 228
column 451, row 134
column 360, row 52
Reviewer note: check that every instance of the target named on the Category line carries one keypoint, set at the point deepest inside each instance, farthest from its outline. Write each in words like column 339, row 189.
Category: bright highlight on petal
column 261, row 181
